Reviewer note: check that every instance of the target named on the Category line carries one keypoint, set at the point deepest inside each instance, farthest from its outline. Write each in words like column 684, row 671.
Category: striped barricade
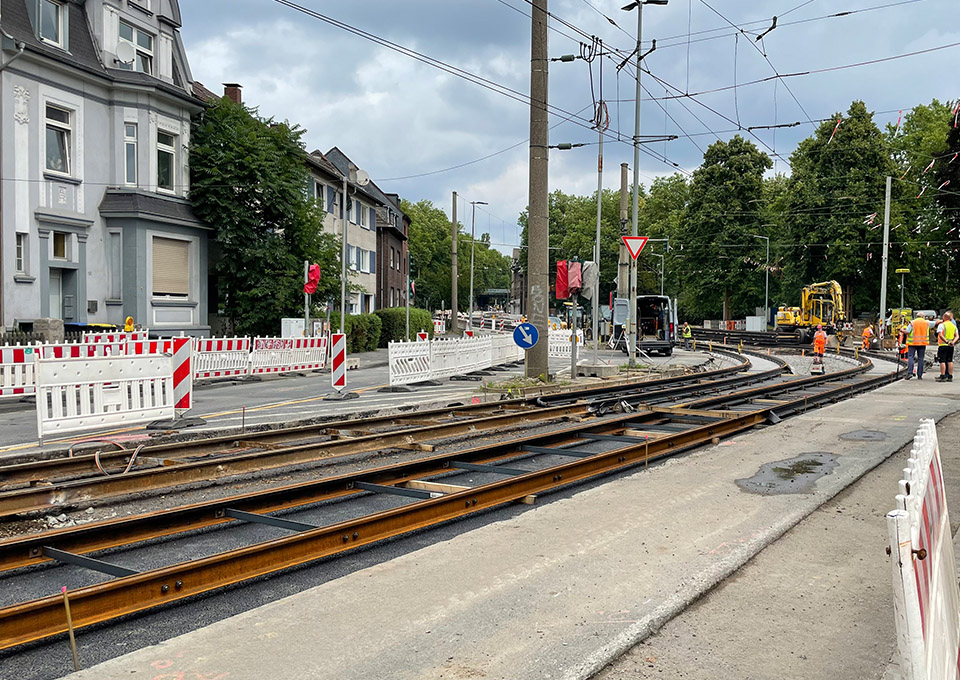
column 119, row 338
column 162, row 346
column 285, row 355
column 221, row 358
column 77, row 395
column 925, row 593
column 439, row 326
column 17, row 371
column 409, row 362
column 338, row 361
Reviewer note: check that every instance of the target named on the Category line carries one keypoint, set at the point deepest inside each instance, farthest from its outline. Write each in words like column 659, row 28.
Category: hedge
column 394, row 322
column 363, row 331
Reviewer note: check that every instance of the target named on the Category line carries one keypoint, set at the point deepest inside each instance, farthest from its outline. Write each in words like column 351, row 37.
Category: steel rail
column 42, row 618
column 77, row 465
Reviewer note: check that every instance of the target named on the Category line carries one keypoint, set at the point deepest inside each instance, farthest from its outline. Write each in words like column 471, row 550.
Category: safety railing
column 413, row 362
column 560, row 343
column 286, row 355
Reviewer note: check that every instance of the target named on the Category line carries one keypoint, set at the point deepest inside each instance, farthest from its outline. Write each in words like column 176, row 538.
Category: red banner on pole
column 563, row 291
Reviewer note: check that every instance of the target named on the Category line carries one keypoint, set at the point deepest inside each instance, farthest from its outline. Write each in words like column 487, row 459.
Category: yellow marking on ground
column 267, row 407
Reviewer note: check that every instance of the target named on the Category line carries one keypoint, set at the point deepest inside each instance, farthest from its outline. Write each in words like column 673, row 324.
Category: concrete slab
column 560, row 590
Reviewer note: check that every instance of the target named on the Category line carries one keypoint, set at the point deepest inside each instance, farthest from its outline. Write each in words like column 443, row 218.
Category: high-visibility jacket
column 946, row 334
column 687, row 332
column 867, row 332
column 919, row 332
column 819, row 340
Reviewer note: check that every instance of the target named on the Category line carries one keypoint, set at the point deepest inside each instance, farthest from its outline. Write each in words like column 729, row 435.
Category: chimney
column 232, row 91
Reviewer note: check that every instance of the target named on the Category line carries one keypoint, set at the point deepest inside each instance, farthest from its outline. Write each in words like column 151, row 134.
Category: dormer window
column 51, row 22
column 142, row 43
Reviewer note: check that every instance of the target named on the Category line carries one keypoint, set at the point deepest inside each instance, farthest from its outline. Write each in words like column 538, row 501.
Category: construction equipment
column 820, row 304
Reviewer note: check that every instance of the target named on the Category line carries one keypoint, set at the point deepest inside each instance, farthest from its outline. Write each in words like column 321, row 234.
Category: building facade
column 94, row 223
column 393, row 227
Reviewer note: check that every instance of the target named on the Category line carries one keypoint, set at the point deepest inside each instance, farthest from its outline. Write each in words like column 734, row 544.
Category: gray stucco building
column 96, row 102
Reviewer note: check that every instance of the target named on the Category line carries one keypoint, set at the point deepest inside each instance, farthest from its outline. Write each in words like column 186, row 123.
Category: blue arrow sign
column 525, row 335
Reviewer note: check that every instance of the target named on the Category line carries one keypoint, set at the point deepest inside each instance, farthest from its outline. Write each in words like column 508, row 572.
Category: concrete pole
column 623, row 264
column 454, row 308
column 408, row 299
column 632, row 333
column 596, row 254
column 473, row 250
column 343, row 258
column 884, row 261
column 538, row 242
column 766, row 288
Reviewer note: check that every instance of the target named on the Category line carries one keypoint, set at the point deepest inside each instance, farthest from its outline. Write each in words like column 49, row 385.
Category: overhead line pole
column 454, row 307
column 538, row 253
column 885, row 262
column 635, row 204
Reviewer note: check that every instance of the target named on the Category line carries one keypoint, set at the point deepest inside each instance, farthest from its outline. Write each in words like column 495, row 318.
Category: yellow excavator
column 820, row 303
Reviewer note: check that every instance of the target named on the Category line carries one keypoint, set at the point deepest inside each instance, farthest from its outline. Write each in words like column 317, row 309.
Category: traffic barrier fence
column 221, row 358
column 560, row 343
column 413, row 362
column 285, row 355
column 925, row 593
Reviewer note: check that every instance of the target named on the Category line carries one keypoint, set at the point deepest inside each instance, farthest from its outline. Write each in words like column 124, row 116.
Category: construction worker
column 902, row 341
column 687, row 334
column 867, row 335
column 946, row 339
column 918, row 337
column 819, row 342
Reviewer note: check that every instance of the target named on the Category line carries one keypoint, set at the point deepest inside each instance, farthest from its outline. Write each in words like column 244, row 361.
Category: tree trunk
column 726, row 305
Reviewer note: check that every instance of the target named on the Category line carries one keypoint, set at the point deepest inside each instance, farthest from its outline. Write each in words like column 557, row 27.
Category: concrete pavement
column 560, row 590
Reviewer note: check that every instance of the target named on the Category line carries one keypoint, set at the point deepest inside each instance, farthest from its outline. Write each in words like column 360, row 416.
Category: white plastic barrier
column 221, row 358
column 926, row 596
column 504, row 350
column 115, row 338
column 409, row 362
column 75, row 395
column 445, row 358
column 17, row 371
column 439, row 326
column 413, row 362
column 284, row 355
column 559, row 343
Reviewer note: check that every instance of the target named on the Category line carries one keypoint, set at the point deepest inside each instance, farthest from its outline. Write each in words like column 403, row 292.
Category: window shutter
column 373, row 218
column 171, row 272
column 373, row 261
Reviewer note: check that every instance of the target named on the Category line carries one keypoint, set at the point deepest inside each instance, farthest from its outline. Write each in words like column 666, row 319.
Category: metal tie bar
column 87, row 562
column 498, row 469
column 616, row 437
column 395, row 490
column 269, row 520
column 575, row 453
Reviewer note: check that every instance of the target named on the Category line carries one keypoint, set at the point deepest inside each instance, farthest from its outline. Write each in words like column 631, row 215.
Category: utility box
column 291, row 328
column 756, row 324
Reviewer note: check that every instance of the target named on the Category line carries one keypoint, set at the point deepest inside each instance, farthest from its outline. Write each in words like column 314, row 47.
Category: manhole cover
column 864, row 436
column 793, row 475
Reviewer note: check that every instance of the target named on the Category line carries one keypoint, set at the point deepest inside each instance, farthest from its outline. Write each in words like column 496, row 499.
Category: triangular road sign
column 635, row 244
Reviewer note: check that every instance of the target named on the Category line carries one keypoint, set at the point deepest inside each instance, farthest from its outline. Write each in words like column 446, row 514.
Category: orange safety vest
column 867, row 332
column 819, row 340
column 919, row 333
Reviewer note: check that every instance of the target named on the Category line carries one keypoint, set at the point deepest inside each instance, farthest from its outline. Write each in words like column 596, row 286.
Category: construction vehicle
column 820, row 304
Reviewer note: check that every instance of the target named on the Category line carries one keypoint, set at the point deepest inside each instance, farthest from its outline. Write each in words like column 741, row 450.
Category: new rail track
column 431, row 490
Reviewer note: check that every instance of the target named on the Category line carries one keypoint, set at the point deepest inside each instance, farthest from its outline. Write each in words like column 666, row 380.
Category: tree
column 722, row 213
column 249, row 183
column 837, row 183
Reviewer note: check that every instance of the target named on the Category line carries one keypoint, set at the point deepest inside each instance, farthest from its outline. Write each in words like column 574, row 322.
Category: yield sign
column 634, row 244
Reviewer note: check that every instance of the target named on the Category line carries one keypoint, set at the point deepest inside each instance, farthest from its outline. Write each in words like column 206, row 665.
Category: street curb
column 716, row 574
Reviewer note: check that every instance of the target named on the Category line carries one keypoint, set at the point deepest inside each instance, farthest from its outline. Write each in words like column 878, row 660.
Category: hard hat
column 819, row 326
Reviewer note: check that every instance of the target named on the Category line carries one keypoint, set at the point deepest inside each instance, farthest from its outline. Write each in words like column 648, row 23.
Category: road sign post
column 634, row 246
column 525, row 335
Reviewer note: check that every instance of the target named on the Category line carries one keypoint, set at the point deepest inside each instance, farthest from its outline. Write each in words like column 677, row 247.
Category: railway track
column 427, row 491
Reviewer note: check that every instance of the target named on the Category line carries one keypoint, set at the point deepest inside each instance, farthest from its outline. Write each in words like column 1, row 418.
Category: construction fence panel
column 559, row 343
column 77, row 395
column 505, row 350
column 926, row 594
column 118, row 337
column 409, row 362
column 221, row 358
column 439, row 326
column 18, row 371
column 445, row 358
column 309, row 354
column 474, row 353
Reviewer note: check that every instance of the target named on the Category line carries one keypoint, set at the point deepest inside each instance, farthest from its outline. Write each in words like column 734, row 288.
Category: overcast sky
column 397, row 117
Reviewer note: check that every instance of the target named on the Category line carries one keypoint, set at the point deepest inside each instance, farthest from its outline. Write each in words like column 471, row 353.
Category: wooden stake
column 73, row 640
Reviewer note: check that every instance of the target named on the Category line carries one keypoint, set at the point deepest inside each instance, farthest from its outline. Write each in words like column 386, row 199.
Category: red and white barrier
column 17, row 371
column 926, row 595
column 119, row 337
column 221, row 358
column 285, row 355
column 182, row 373
column 421, row 336
column 439, row 326
column 149, row 347
column 338, row 359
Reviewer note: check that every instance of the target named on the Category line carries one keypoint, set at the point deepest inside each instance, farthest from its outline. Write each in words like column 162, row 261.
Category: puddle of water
column 793, row 475
column 864, row 436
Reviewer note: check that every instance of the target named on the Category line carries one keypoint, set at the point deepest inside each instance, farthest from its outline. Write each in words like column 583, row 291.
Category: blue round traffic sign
column 525, row 335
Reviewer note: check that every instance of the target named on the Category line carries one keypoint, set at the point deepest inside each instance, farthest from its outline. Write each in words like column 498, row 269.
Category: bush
column 394, row 322
column 363, row 331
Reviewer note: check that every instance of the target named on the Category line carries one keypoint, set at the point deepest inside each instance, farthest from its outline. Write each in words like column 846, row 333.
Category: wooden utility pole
column 538, row 243
column 453, row 284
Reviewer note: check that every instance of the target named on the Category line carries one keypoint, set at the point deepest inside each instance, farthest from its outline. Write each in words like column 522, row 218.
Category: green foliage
column 394, row 323
column 249, row 183
column 363, row 331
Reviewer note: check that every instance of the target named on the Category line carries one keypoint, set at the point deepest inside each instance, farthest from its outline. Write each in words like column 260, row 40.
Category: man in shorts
column 946, row 339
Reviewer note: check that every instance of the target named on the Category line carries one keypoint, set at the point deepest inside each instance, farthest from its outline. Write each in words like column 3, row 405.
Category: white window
column 61, row 245
column 361, row 215
column 58, row 139
column 21, row 253
column 130, row 153
column 142, row 44
column 114, row 263
column 171, row 268
column 319, row 191
column 51, row 22
column 352, row 257
column 166, row 161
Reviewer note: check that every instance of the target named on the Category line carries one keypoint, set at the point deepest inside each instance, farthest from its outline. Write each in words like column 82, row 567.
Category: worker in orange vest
column 867, row 334
column 819, row 342
column 918, row 337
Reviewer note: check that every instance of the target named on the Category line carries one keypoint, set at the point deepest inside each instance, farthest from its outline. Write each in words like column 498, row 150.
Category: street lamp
column 473, row 248
column 632, row 335
column 903, row 279
column 766, row 295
